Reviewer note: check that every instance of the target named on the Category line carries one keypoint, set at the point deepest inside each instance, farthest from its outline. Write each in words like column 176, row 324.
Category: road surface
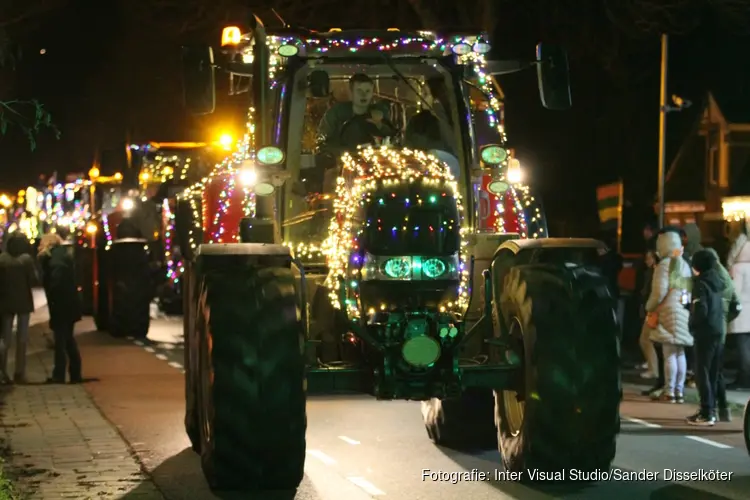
column 359, row 448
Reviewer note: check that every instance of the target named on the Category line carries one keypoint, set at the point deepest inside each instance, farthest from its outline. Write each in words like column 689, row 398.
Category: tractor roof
column 344, row 43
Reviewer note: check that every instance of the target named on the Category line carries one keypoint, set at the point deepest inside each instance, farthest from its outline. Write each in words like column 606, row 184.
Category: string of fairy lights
column 225, row 173
column 519, row 194
column 365, row 172
column 368, row 170
column 175, row 267
column 107, row 231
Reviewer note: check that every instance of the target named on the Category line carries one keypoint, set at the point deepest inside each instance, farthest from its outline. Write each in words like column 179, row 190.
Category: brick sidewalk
column 57, row 444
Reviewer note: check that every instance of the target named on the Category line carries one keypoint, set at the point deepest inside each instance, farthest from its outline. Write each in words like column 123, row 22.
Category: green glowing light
column 433, row 268
column 397, row 268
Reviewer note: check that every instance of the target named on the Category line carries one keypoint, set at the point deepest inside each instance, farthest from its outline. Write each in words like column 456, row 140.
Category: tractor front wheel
column 566, row 415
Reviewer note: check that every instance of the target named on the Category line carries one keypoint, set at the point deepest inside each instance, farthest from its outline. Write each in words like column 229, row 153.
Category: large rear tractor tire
column 566, row 414
column 101, row 297
column 464, row 423
column 131, row 289
column 252, row 377
column 190, row 362
column 746, row 426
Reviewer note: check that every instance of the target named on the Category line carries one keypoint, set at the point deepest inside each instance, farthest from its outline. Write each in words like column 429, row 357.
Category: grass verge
column 7, row 490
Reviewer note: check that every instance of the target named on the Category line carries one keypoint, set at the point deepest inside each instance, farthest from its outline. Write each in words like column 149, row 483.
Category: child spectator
column 707, row 322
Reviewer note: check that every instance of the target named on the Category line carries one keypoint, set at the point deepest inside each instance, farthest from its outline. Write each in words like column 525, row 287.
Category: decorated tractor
column 166, row 169
column 352, row 256
column 115, row 252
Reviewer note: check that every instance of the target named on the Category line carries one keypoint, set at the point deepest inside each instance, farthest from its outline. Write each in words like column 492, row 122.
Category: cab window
column 403, row 94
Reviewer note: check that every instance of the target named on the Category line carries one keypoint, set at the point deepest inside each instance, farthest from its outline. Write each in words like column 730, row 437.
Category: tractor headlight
column 409, row 268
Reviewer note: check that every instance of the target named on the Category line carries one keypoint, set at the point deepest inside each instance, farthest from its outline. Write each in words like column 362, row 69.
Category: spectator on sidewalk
column 706, row 325
column 58, row 276
column 647, row 347
column 730, row 306
column 670, row 318
column 17, row 279
column 738, row 331
column 691, row 237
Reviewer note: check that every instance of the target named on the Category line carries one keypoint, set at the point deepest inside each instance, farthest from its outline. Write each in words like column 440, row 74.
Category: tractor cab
column 316, row 95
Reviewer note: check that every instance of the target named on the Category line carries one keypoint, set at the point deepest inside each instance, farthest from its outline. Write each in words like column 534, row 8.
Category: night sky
column 109, row 71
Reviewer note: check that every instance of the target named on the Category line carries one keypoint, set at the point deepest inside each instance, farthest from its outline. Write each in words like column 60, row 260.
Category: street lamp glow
column 226, row 141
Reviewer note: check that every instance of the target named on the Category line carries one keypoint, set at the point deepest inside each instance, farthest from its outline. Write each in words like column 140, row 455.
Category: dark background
column 109, row 73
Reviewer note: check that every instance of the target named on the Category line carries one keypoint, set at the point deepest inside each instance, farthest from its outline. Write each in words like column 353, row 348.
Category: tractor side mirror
column 553, row 76
column 319, row 83
column 198, row 80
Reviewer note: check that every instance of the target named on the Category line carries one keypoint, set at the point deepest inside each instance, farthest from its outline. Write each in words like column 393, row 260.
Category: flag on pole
column 609, row 199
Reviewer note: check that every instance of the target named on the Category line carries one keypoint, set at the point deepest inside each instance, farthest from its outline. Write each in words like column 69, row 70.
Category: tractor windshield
column 406, row 102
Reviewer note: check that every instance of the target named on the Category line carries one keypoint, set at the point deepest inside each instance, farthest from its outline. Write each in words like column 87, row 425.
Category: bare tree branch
column 28, row 115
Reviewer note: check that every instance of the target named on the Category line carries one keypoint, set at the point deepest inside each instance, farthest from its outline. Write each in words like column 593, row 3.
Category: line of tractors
column 302, row 269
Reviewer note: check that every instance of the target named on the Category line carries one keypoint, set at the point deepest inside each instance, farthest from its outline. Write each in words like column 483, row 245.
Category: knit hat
column 703, row 260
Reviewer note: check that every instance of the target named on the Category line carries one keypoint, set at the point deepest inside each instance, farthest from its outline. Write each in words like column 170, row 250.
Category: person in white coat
column 669, row 295
column 738, row 331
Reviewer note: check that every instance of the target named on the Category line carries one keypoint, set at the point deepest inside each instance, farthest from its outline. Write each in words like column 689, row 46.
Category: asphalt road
column 359, row 448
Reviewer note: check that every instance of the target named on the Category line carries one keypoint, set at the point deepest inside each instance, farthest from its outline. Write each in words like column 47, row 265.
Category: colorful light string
column 225, row 172
column 364, row 172
column 175, row 268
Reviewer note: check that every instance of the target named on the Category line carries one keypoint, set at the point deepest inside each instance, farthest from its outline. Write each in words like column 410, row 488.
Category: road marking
column 349, row 440
column 642, row 422
column 161, row 357
column 150, row 349
column 366, row 485
column 321, row 456
column 175, row 364
column 709, row 442
column 138, row 343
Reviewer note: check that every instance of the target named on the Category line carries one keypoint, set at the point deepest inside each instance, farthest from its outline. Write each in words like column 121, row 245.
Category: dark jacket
column 728, row 293
column 59, row 278
column 707, row 309
column 17, row 277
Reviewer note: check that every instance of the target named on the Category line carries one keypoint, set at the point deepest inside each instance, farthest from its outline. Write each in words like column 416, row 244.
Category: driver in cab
column 364, row 119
